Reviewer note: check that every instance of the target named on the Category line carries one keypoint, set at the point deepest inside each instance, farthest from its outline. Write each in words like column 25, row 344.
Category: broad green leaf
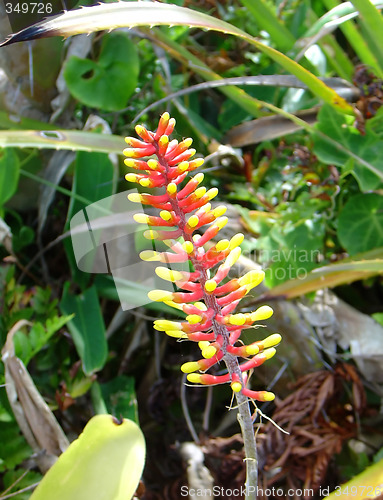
column 131, row 14
column 63, row 139
column 9, row 174
column 364, row 151
column 109, row 82
column 87, row 327
column 104, row 463
column 360, row 223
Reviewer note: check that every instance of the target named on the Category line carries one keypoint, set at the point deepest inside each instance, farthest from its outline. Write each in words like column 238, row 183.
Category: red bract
column 206, row 295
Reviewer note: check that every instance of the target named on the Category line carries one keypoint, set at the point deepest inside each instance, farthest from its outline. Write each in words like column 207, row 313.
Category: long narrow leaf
column 131, row 14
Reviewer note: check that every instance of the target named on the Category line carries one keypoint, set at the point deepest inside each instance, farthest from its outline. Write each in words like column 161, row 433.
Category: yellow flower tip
column 209, row 351
column 272, row 340
column 177, row 334
column 165, row 215
column 171, row 188
column 193, row 319
column 212, row 193
column 151, row 235
column 236, row 240
column 141, row 218
column 130, row 153
column 198, row 162
column 236, row 386
column 188, row 142
column 268, row 396
column 196, row 238
column 251, row 350
column 145, row 182
column 263, row 312
column 200, row 192
column 164, row 325
column 222, row 245
column 152, row 164
column 210, row 286
column 200, row 305
column 131, row 177
column 129, row 162
column 149, row 256
column 160, row 295
column 233, row 256
column 237, row 319
column 168, row 274
column 218, row 211
column 221, row 222
column 172, row 122
column 183, row 166
column 188, row 247
column 193, row 221
column 269, row 353
column 199, row 177
column 134, row 197
column 191, row 366
column 165, row 117
column 163, row 140
column 170, row 303
column 194, row 378
column 128, row 141
column 252, row 278
column 139, row 130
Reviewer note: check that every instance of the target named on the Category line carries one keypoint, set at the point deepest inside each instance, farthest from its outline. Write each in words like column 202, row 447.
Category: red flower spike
column 208, row 299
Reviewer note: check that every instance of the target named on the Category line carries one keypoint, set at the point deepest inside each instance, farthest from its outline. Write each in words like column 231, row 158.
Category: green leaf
column 87, row 327
column 360, row 223
column 366, row 157
column 9, row 174
column 104, row 463
column 120, row 397
column 109, row 82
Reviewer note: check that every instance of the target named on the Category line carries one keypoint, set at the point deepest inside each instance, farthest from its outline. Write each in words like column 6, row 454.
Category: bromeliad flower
column 187, row 224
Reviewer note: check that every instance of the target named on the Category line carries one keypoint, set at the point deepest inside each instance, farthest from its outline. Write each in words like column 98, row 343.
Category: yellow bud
column 218, row 211
column 268, row 396
column 206, row 208
column 222, row 245
column 160, row 295
column 129, row 162
column 152, row 164
column 130, row 153
column 165, row 117
column 187, row 142
column 141, row 218
column 200, row 192
column 269, row 353
column 183, row 166
column 170, row 303
column 150, row 256
column 236, row 240
column 237, row 319
column 199, row 177
column 168, row 274
column 165, row 215
column 252, row 278
column 221, row 222
column 236, row 386
column 212, row 193
column 263, row 312
column 135, row 197
column 177, row 334
column 171, row 188
column 192, row 319
column 209, row 351
column 139, row 129
column 193, row 221
column 191, row 366
column 131, row 177
column 165, row 325
column 200, row 305
column 150, row 234
column 163, row 140
column 195, row 378
column 196, row 238
column 145, row 182
column 251, row 350
column 210, row 286
column 272, row 340
column 188, row 247
column 233, row 256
